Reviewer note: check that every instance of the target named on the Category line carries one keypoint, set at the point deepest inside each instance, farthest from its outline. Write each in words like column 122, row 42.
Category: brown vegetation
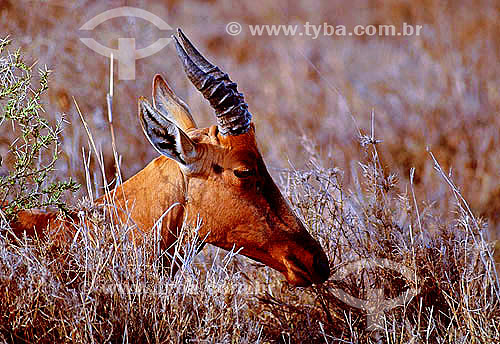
column 437, row 92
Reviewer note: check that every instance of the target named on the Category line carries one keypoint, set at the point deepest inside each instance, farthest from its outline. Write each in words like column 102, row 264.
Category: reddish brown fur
column 249, row 214
column 244, row 212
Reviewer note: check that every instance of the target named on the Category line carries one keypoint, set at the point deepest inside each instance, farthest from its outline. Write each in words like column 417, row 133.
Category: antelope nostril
column 321, row 266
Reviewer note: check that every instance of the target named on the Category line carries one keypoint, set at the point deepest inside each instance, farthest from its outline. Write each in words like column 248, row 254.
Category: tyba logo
column 126, row 54
column 376, row 304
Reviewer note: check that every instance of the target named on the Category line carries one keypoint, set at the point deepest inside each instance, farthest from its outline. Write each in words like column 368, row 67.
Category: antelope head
column 227, row 182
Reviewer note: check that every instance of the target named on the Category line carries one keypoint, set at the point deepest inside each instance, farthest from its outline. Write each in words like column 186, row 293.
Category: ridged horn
column 231, row 111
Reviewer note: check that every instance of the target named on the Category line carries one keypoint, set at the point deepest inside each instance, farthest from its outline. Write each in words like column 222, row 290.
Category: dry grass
column 103, row 288
column 437, row 91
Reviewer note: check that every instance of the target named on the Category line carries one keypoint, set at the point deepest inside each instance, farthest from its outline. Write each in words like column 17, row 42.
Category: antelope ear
column 171, row 106
column 166, row 137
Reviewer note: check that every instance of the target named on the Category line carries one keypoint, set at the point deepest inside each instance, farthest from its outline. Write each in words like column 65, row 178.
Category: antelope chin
column 295, row 275
column 297, row 279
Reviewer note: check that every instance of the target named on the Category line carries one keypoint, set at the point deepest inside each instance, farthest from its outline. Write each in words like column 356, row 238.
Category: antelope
column 216, row 173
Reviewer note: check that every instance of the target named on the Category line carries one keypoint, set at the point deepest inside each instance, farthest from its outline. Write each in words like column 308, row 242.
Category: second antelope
column 215, row 173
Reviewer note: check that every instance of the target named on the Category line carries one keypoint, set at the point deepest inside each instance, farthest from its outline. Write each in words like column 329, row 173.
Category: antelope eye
column 244, row 173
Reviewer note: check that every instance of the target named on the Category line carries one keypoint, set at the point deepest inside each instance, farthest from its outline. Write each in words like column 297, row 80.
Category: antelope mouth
column 299, row 275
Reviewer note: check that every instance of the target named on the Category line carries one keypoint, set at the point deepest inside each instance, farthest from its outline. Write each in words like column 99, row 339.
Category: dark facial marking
column 217, row 168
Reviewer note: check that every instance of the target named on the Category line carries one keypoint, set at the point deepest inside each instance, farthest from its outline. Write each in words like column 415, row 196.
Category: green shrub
column 33, row 152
